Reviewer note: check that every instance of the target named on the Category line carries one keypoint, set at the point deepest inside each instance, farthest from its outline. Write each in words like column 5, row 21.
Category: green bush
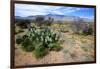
column 27, row 45
column 19, row 40
column 55, row 46
column 40, row 52
column 89, row 31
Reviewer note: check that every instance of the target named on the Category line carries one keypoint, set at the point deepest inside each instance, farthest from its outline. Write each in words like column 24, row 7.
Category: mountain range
column 56, row 17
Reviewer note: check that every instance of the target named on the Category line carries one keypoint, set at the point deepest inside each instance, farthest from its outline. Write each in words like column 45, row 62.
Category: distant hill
column 56, row 17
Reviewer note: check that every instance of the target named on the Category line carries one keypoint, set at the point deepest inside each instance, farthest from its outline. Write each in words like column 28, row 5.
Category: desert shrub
column 23, row 23
column 81, row 27
column 89, row 31
column 24, row 36
column 41, row 20
column 49, row 21
column 39, row 52
column 77, row 25
column 19, row 40
column 27, row 45
column 55, row 46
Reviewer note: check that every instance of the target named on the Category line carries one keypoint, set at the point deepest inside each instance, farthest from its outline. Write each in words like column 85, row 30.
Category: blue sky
column 29, row 10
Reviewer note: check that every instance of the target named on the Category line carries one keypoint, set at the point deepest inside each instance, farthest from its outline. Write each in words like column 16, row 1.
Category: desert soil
column 75, row 48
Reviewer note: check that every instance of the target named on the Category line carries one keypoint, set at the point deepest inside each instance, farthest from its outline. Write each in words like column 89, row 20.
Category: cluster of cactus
column 40, row 40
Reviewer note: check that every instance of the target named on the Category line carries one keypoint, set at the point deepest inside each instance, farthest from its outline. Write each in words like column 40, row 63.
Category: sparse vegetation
column 42, row 37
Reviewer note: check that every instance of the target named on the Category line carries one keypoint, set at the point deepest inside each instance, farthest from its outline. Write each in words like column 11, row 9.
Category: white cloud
column 28, row 9
column 88, row 17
